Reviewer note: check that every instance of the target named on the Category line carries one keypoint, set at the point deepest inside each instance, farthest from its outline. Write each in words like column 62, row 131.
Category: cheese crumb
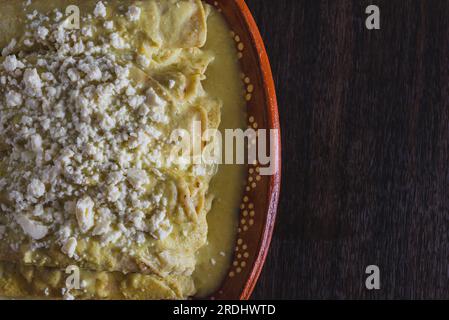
column 154, row 99
column 11, row 63
column 85, row 214
column 32, row 228
column 36, row 143
column 32, row 81
column 116, row 41
column 143, row 60
column 9, row 48
column 76, row 122
column 159, row 227
column 109, row 25
column 42, row 32
column 13, row 99
column 103, row 224
column 69, row 247
column 137, row 177
column 36, row 188
column 133, row 13
column 100, row 10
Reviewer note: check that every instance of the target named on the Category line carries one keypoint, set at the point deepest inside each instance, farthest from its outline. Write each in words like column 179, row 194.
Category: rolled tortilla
column 174, row 23
column 18, row 281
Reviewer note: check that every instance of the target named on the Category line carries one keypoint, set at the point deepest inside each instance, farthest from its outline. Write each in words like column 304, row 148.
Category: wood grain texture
column 365, row 119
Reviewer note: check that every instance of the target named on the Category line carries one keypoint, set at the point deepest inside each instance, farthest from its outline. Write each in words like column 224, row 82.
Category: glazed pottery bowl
column 258, row 207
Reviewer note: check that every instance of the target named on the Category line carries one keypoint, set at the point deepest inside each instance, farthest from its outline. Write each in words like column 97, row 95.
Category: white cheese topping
column 133, row 13
column 103, row 223
column 81, row 134
column 109, row 25
column 36, row 143
column 137, row 177
column 117, row 42
column 36, row 188
column 42, row 33
column 13, row 99
column 32, row 81
column 143, row 60
column 9, row 48
column 85, row 214
column 159, row 227
column 100, row 10
column 11, row 63
column 32, row 228
column 69, row 247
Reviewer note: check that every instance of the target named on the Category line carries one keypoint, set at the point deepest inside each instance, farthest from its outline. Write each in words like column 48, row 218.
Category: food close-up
column 91, row 175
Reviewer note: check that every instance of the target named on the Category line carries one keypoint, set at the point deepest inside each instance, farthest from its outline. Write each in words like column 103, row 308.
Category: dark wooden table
column 365, row 119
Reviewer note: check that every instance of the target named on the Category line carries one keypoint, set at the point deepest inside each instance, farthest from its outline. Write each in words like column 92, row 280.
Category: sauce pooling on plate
column 223, row 81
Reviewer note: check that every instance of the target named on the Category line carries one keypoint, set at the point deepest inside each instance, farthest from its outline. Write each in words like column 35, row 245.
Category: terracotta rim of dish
column 273, row 123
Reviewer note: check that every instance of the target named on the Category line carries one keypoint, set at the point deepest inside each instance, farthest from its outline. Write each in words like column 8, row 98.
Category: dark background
column 365, row 122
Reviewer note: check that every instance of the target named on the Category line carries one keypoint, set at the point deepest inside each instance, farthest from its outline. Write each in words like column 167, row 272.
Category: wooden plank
column 365, row 118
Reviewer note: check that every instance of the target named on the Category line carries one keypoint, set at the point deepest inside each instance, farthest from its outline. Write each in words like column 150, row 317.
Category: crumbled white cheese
column 133, row 13
column 73, row 74
column 171, row 83
column 143, row 60
column 100, row 10
column 85, row 127
column 36, row 143
column 11, row 63
column 42, row 32
column 130, row 91
column 116, row 41
column 13, row 99
column 138, row 219
column 108, row 25
column 69, row 247
column 65, row 231
column 114, row 193
column 140, row 239
column 136, row 101
column 58, row 16
column 32, row 228
column 36, row 188
column 87, row 31
column 157, row 112
column 85, row 214
column 154, row 99
column 111, row 237
column 9, row 48
column 103, row 224
column 115, row 177
column 32, row 81
column 137, row 177
column 159, row 227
